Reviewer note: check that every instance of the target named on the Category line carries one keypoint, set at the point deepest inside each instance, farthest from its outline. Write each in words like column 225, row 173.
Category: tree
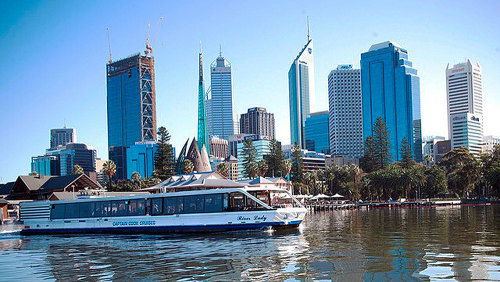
column 491, row 169
column 297, row 164
column 109, row 168
column 164, row 157
column 262, row 167
column 275, row 158
column 249, row 156
column 188, row 167
column 33, row 173
column 136, row 178
column 286, row 167
column 462, row 169
column 406, row 154
column 428, row 160
column 435, row 182
column 77, row 169
column 382, row 144
column 223, row 169
column 369, row 162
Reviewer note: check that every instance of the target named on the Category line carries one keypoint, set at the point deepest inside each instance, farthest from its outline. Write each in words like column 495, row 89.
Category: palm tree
column 286, row 167
column 428, row 160
column 136, row 178
column 77, row 169
column 109, row 168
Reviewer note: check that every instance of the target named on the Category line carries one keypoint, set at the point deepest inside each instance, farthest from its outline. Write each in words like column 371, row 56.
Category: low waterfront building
column 268, row 182
column 312, row 161
column 40, row 187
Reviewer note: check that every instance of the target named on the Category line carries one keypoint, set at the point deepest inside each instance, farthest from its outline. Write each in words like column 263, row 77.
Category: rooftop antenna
column 200, row 48
column 220, row 50
column 159, row 30
column 109, row 46
column 308, row 35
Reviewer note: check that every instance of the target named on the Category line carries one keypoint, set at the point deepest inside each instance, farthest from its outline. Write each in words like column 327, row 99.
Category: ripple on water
column 398, row 244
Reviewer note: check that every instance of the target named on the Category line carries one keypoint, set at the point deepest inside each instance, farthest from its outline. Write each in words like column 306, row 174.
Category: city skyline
column 430, row 52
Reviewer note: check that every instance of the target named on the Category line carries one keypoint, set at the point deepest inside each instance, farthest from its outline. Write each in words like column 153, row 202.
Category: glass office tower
column 131, row 107
column 316, row 129
column 300, row 86
column 220, row 108
column 391, row 90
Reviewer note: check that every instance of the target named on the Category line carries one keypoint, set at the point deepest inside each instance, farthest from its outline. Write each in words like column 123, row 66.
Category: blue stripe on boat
column 161, row 229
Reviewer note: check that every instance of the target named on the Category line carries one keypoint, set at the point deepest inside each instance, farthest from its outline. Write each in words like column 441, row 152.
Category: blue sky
column 54, row 55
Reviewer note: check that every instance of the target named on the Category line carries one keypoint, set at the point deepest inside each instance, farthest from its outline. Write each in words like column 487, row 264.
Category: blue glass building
column 391, row 90
column 62, row 160
column 131, row 107
column 141, row 158
column 317, row 132
column 300, row 86
column 220, row 106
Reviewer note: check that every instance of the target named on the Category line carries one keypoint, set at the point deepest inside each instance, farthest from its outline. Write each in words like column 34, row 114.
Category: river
column 430, row 243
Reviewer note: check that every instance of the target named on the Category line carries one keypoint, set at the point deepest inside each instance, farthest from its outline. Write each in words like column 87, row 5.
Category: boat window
column 71, row 211
column 213, row 203
column 57, row 212
column 225, row 202
column 194, row 204
column 156, row 206
column 137, row 207
column 98, row 210
column 173, row 205
column 107, row 208
column 240, row 202
column 84, row 209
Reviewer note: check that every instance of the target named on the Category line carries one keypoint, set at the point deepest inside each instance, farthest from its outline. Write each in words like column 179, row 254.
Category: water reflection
column 400, row 244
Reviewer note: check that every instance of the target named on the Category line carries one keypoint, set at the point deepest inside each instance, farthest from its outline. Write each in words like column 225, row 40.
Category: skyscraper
column 202, row 118
column 221, row 99
column 465, row 106
column 346, row 118
column 131, row 106
column 391, row 90
column 257, row 121
column 316, row 132
column 300, row 86
column 62, row 136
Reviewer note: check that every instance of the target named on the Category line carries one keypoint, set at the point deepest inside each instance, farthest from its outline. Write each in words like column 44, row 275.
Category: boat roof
column 150, row 196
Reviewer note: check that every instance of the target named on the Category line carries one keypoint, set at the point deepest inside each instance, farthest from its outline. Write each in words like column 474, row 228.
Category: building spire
column 308, row 34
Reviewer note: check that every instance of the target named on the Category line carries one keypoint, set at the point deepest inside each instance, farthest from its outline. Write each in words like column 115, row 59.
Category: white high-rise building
column 465, row 106
column 346, row 117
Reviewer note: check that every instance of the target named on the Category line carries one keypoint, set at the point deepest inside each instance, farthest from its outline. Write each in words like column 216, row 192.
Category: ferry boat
column 221, row 209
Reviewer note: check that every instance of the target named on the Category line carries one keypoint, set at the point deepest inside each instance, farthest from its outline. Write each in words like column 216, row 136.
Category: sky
column 54, row 55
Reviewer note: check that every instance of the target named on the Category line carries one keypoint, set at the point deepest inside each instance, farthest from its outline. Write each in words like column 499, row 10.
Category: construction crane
column 109, row 46
column 149, row 48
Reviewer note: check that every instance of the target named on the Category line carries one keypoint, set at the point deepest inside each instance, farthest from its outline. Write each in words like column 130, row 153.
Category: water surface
column 402, row 244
